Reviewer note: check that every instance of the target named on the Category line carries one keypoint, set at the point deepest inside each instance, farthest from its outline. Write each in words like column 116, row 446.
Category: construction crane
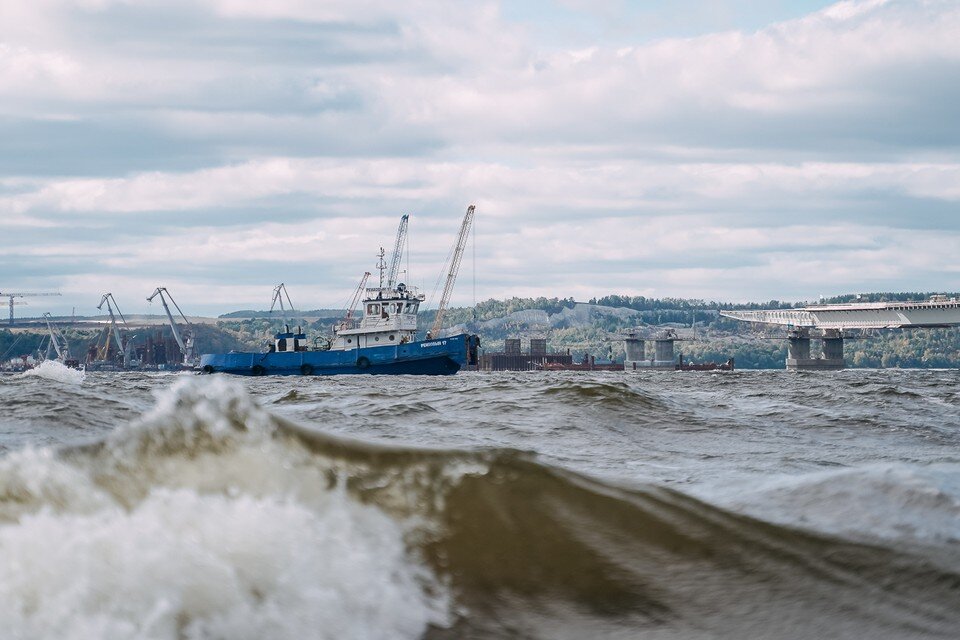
column 397, row 252
column 57, row 340
column 111, row 303
column 279, row 292
column 11, row 296
column 348, row 319
column 452, row 273
column 185, row 342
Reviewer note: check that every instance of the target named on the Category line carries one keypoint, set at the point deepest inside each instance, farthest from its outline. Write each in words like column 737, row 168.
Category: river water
column 764, row 504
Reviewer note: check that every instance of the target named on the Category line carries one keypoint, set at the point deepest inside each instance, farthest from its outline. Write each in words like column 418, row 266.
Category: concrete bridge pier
column 639, row 357
column 833, row 348
column 798, row 347
column 635, row 348
column 664, row 352
column 798, row 351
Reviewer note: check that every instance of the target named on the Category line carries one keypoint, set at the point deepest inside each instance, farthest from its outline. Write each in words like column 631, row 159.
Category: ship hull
column 444, row 356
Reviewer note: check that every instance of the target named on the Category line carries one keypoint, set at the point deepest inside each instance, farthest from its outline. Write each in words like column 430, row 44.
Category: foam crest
column 56, row 371
column 34, row 479
column 186, row 565
column 206, row 519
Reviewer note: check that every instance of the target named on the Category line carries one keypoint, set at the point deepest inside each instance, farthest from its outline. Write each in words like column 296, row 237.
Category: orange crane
column 7, row 294
column 452, row 273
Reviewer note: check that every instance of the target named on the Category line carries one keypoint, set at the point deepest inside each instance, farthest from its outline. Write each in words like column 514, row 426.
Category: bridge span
column 828, row 322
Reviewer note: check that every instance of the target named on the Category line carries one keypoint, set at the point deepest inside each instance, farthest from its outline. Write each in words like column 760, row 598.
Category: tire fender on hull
column 258, row 370
column 363, row 363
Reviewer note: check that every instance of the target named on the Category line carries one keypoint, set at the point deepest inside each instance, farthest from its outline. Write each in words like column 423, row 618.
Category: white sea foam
column 195, row 523
column 880, row 501
column 57, row 371
column 186, row 565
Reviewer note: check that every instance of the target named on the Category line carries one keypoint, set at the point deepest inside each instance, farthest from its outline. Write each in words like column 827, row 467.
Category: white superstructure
column 389, row 316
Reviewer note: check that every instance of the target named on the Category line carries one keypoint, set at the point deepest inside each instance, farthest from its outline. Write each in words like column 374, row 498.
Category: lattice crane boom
column 58, row 340
column 278, row 294
column 111, row 303
column 454, row 269
column 345, row 323
column 397, row 252
column 186, row 346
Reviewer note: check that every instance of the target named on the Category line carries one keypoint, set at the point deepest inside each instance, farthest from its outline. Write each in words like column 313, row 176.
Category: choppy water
column 537, row 505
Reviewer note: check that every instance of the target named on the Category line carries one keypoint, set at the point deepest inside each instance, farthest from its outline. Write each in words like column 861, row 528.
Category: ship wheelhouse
column 389, row 318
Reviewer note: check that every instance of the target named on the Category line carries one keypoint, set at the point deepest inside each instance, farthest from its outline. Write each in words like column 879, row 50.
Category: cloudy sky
column 695, row 148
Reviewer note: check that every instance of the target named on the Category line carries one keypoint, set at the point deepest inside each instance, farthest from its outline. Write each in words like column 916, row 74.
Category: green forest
column 714, row 339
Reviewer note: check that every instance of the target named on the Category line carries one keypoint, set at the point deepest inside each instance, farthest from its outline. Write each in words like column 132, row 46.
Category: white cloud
column 727, row 160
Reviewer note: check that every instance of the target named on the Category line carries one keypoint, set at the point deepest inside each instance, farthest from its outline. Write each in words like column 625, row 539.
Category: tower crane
column 452, row 273
column 279, row 292
column 185, row 342
column 397, row 252
column 11, row 296
column 345, row 323
column 111, row 303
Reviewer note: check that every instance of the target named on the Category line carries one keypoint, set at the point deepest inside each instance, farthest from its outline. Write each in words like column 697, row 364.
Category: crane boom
column 108, row 298
column 63, row 352
column 454, row 269
column 279, row 292
column 345, row 323
column 397, row 252
column 186, row 347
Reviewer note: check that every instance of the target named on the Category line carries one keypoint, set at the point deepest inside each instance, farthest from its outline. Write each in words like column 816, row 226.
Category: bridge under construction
column 829, row 322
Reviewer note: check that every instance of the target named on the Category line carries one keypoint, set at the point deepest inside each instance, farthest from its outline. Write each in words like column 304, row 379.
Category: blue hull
column 444, row 356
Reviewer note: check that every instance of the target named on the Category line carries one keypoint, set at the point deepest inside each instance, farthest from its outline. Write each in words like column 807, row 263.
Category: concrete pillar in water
column 664, row 353
column 798, row 347
column 832, row 349
column 635, row 348
column 798, row 351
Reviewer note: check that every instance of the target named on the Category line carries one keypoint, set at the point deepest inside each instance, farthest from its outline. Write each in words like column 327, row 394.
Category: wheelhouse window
column 373, row 309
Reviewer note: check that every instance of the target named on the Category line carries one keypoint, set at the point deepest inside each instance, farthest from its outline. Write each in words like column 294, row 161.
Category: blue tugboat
column 384, row 341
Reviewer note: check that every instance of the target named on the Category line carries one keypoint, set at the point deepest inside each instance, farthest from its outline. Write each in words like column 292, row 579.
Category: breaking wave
column 56, row 371
column 210, row 517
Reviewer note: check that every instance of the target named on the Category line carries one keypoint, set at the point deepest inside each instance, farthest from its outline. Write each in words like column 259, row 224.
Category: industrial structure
column 12, row 296
column 452, row 273
column 279, row 292
column 661, row 357
column 513, row 359
column 184, row 340
column 830, row 323
column 58, row 344
column 398, row 247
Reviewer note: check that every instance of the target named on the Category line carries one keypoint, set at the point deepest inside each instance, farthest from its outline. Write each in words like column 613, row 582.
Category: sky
column 696, row 148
